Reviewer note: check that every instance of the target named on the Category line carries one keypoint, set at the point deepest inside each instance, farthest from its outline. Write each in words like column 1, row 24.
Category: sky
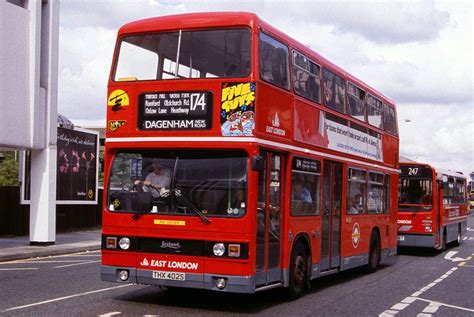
column 419, row 53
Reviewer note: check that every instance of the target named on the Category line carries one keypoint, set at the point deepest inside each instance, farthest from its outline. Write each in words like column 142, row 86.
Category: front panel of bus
column 417, row 206
column 179, row 204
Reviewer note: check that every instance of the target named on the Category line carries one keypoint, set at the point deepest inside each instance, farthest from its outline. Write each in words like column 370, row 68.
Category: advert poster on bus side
column 323, row 129
column 190, row 110
column 77, row 166
column 238, row 109
column 352, row 141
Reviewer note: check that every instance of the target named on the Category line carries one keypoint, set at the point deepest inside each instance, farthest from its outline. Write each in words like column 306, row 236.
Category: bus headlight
column 218, row 249
column 221, row 283
column 123, row 275
column 124, row 243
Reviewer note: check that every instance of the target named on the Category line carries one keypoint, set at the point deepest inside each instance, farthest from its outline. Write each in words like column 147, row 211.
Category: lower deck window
column 179, row 182
column 305, row 187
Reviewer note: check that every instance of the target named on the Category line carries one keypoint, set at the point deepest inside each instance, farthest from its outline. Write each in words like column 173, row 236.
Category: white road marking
column 450, row 254
column 446, row 305
column 399, row 306
column 52, row 261
column 66, row 297
column 409, row 300
column 75, row 264
column 415, row 296
column 431, row 308
column 110, row 314
column 86, row 253
column 19, row 268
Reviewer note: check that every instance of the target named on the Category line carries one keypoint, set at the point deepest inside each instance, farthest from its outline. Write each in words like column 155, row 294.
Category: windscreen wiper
column 186, row 201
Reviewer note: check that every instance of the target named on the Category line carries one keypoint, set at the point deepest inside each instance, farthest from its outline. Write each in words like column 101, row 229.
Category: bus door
column 438, row 211
column 331, row 216
column 269, row 217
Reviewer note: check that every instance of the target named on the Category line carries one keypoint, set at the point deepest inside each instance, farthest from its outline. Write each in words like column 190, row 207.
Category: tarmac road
column 415, row 283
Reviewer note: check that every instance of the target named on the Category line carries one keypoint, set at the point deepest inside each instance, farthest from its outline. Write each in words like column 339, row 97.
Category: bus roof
column 221, row 19
column 190, row 21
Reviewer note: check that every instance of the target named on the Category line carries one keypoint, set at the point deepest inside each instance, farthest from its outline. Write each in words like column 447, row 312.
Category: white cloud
column 417, row 52
column 84, row 65
column 441, row 135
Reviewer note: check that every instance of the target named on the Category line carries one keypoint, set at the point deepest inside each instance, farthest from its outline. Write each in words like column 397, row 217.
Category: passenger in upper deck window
column 329, row 93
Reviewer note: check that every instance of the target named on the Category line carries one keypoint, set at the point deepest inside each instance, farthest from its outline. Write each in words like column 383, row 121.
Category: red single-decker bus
column 432, row 206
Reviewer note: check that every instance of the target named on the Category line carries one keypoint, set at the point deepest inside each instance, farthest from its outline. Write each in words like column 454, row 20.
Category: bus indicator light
column 234, row 250
column 111, row 243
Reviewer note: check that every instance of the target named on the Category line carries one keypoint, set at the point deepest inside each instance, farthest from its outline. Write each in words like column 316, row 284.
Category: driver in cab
column 158, row 179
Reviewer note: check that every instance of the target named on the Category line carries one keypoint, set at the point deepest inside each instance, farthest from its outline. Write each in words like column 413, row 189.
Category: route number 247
column 412, row 171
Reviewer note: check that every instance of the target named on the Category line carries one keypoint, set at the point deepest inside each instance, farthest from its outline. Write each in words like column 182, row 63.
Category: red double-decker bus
column 432, row 206
column 239, row 160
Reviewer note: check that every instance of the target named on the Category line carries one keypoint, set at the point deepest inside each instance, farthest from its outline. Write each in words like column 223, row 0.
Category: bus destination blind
column 175, row 111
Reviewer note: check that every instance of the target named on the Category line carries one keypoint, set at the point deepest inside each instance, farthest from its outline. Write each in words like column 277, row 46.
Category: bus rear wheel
column 374, row 253
column 457, row 242
column 298, row 271
column 444, row 241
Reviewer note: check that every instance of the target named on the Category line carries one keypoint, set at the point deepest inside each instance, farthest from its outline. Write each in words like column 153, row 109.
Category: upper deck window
column 374, row 111
column 201, row 54
column 356, row 98
column 306, row 77
column 389, row 119
column 334, row 91
column 274, row 61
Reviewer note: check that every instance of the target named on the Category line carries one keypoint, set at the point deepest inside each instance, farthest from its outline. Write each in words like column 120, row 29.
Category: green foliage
column 9, row 169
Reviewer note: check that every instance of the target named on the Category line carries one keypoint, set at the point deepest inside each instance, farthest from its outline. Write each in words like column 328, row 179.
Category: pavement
column 18, row 248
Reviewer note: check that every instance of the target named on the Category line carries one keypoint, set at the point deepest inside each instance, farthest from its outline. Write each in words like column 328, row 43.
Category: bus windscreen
column 184, row 54
column 178, row 183
column 415, row 193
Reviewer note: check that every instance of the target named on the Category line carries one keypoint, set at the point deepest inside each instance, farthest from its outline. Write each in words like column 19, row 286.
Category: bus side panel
column 454, row 219
column 310, row 227
column 274, row 113
column 356, row 234
column 390, row 149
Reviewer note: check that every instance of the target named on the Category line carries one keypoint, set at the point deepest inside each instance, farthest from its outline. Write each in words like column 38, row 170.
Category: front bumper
column 235, row 284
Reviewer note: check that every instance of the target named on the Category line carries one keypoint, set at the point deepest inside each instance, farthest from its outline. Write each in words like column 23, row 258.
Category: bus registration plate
column 401, row 238
column 175, row 276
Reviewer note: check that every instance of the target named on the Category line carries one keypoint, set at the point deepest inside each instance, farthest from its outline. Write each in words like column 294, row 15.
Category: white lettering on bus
column 173, row 103
column 182, row 265
column 180, row 110
column 152, row 103
column 172, row 264
column 404, row 222
column 150, row 111
column 169, row 124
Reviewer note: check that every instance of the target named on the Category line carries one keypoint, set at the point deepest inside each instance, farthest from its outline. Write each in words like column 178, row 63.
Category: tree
column 9, row 169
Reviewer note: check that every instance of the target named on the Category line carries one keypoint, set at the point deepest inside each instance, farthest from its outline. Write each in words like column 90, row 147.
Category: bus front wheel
column 298, row 271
